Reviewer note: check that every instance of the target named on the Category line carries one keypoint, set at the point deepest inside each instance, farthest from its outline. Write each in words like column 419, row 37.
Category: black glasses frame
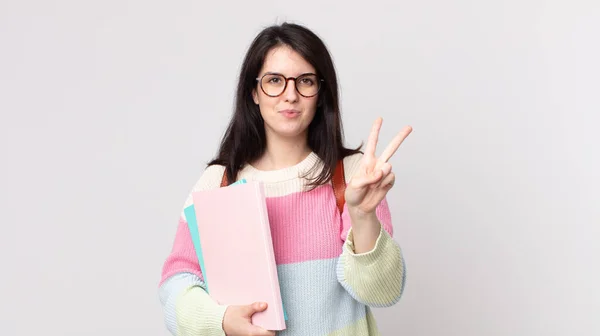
column 287, row 79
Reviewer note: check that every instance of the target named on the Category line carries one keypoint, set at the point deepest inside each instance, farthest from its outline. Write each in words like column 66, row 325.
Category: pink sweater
column 327, row 289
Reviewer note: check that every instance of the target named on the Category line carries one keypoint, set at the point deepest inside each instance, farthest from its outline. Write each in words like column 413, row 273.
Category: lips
column 290, row 113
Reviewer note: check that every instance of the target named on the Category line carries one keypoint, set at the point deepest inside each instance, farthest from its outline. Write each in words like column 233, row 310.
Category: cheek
column 312, row 107
column 268, row 103
column 266, row 106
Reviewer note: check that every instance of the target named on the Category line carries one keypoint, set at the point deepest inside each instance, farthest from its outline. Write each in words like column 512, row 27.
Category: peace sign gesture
column 374, row 177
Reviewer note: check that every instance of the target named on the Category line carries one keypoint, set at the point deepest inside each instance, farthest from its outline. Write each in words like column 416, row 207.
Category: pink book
column 237, row 250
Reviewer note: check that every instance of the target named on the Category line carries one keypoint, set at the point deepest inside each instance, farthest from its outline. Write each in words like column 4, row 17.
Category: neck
column 283, row 153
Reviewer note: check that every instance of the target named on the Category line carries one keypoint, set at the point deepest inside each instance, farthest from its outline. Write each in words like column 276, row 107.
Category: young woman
column 336, row 256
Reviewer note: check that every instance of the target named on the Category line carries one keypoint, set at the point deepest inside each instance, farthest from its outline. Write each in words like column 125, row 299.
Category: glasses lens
column 273, row 85
column 308, row 85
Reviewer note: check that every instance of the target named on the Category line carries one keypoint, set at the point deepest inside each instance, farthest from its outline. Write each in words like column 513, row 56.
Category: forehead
column 285, row 60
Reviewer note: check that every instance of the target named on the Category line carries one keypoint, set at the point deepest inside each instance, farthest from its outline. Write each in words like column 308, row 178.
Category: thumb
column 255, row 308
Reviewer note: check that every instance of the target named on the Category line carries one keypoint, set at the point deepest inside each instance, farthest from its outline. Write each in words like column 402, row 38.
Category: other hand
column 238, row 321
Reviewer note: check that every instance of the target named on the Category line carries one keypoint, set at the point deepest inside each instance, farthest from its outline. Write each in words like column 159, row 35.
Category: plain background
column 110, row 109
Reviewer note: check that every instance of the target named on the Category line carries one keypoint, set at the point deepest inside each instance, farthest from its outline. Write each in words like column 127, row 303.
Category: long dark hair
column 244, row 140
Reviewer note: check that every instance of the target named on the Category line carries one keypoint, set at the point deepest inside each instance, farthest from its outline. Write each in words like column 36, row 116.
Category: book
column 231, row 235
column 190, row 215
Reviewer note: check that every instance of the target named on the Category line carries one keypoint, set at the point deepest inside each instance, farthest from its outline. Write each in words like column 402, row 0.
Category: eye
column 307, row 81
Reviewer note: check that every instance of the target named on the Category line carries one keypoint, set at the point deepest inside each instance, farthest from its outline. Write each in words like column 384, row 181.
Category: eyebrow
column 279, row 73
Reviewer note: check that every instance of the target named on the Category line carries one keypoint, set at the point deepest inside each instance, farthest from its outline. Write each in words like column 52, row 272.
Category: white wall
column 109, row 110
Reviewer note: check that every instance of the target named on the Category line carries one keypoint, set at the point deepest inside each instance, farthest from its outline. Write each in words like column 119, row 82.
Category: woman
column 286, row 132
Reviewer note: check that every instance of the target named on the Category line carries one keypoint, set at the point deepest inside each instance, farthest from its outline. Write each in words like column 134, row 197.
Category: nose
column 290, row 93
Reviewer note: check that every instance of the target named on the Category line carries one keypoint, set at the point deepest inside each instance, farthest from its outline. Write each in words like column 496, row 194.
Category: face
column 289, row 114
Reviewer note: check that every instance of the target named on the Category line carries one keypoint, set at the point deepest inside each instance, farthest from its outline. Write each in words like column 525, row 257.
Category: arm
column 374, row 276
column 371, row 267
column 187, row 307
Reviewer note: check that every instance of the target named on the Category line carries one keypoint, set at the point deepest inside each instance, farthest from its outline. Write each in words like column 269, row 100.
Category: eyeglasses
column 274, row 84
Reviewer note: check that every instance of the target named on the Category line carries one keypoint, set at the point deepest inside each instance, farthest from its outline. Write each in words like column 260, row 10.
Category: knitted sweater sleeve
column 375, row 278
column 187, row 307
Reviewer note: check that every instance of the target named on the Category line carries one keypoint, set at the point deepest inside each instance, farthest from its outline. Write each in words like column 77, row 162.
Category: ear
column 255, row 96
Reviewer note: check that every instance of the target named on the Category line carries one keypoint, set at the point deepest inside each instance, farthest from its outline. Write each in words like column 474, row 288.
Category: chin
column 289, row 134
column 284, row 132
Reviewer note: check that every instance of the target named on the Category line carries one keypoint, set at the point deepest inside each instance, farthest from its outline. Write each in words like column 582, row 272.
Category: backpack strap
column 338, row 182
column 224, row 182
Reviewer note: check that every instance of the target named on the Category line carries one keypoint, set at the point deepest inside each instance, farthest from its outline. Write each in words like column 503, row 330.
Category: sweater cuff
column 198, row 314
column 369, row 257
column 375, row 278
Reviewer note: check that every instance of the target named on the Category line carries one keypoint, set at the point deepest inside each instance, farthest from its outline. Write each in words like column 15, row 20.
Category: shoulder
column 209, row 179
column 351, row 164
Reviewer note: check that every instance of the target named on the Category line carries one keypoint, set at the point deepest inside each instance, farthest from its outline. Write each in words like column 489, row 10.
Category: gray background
column 109, row 110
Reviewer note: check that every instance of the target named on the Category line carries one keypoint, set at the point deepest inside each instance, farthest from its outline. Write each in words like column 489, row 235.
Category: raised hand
column 374, row 177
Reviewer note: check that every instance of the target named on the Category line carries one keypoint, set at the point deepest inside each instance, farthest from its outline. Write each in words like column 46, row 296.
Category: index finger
column 373, row 138
column 395, row 144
